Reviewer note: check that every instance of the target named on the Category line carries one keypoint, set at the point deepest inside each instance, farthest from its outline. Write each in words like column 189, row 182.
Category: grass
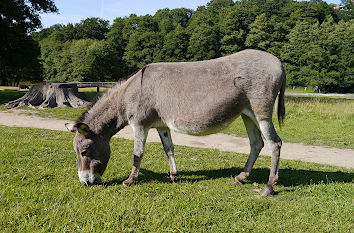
column 40, row 191
column 310, row 120
column 9, row 88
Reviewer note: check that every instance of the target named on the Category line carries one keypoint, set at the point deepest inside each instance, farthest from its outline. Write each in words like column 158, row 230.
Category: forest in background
column 312, row 39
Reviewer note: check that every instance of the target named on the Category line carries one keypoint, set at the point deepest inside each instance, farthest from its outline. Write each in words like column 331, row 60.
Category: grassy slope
column 40, row 191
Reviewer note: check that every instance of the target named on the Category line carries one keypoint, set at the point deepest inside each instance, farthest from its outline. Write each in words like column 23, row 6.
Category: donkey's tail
column 281, row 104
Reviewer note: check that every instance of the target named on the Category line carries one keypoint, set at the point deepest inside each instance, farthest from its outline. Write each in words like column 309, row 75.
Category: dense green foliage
column 40, row 191
column 18, row 51
column 314, row 41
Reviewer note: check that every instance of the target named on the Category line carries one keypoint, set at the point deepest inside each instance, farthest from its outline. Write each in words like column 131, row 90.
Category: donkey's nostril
column 85, row 183
column 89, row 183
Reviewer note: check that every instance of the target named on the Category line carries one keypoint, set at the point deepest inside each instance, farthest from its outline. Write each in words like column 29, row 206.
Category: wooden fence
column 90, row 84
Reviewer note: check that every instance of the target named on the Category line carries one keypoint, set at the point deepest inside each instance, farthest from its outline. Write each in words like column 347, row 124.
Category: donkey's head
column 92, row 151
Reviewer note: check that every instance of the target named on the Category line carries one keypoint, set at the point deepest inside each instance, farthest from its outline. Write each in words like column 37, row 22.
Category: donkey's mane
column 103, row 95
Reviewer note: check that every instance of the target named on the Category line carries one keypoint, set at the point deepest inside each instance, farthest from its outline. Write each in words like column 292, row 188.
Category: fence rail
column 89, row 84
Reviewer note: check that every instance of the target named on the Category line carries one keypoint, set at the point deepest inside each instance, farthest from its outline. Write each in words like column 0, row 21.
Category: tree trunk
column 52, row 95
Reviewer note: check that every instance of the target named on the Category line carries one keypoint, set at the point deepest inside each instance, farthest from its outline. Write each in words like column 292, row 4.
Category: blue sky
column 73, row 11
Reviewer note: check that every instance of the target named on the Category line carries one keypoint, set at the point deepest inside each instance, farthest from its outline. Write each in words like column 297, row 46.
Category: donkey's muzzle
column 89, row 179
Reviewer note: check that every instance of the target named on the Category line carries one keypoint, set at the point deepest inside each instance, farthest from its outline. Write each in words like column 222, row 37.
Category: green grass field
column 315, row 121
column 40, row 191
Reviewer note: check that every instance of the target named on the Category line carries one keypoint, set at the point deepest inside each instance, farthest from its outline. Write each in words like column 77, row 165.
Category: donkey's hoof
column 172, row 180
column 127, row 183
column 237, row 182
column 172, row 177
column 267, row 192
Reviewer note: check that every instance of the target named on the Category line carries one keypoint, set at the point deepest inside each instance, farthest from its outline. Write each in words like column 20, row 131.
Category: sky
column 73, row 11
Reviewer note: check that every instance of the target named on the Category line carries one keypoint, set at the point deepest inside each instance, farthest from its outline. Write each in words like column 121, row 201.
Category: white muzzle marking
column 87, row 178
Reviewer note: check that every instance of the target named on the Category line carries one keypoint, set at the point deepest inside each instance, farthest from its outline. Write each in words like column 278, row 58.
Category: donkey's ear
column 84, row 129
column 71, row 127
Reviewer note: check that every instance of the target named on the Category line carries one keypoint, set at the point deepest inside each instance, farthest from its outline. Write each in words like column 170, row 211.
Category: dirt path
column 295, row 151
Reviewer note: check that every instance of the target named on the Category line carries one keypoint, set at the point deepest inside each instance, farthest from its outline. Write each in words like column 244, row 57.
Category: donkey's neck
column 106, row 117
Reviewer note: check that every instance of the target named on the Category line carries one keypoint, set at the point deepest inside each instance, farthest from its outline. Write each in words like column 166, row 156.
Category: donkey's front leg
column 167, row 143
column 140, row 133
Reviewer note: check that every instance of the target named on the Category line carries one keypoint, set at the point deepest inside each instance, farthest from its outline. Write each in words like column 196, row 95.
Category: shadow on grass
column 288, row 177
column 7, row 96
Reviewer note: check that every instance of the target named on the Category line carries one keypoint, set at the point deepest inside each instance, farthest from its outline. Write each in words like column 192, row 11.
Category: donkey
column 196, row 98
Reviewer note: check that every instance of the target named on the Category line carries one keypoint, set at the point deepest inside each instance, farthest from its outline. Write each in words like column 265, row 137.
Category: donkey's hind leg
column 167, row 143
column 274, row 142
column 140, row 134
column 256, row 144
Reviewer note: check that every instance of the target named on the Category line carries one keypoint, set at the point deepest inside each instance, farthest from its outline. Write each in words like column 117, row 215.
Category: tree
column 97, row 63
column 116, row 47
column 234, row 26
column 174, row 38
column 46, row 32
column 51, row 49
column 23, row 15
column 347, row 13
column 92, row 28
column 164, row 21
column 320, row 55
column 273, row 7
column 141, row 49
column 298, row 52
column 143, row 42
column 20, row 62
column 204, row 38
column 214, row 7
column 266, row 34
column 341, row 42
column 18, row 19
column 175, row 45
column 260, row 34
column 181, row 16
column 75, row 61
column 314, row 45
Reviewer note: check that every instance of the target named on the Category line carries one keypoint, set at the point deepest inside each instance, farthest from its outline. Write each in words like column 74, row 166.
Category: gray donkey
column 196, row 98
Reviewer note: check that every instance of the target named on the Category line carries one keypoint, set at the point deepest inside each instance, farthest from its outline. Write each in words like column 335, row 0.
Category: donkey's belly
column 198, row 127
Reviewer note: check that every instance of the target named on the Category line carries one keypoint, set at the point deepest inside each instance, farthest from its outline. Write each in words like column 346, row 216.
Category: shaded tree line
column 313, row 40
column 18, row 51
